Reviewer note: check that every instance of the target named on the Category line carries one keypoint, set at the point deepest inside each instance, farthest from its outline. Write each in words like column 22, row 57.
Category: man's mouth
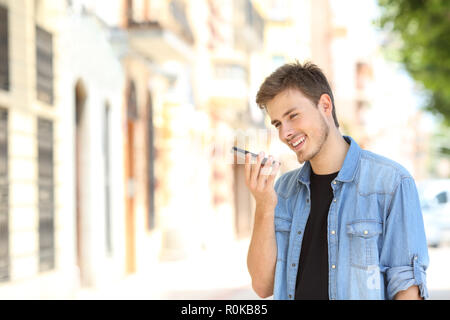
column 297, row 143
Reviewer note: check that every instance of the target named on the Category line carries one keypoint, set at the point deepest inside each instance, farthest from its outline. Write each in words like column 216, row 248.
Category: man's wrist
column 262, row 210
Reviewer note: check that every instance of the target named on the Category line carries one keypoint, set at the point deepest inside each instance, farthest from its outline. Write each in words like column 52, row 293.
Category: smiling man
column 348, row 223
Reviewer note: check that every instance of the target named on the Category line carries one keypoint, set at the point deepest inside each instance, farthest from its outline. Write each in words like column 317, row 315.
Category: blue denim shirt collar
column 349, row 167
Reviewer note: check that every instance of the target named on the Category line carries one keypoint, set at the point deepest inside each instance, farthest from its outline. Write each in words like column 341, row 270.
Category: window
column 4, row 61
column 442, row 197
column 230, row 71
column 129, row 12
column 44, row 65
column 4, row 197
column 253, row 19
column 277, row 61
column 363, row 75
column 279, row 10
column 46, row 195
column 106, row 157
column 132, row 112
column 178, row 10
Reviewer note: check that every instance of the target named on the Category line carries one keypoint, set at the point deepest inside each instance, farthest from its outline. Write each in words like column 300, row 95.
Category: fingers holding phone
column 270, row 171
column 260, row 179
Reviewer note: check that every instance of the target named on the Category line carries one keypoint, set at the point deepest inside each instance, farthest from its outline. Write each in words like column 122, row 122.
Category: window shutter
column 44, row 65
column 4, row 197
column 46, row 195
column 4, row 55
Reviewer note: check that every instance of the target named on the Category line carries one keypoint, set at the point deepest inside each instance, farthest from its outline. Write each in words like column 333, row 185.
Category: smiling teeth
column 298, row 142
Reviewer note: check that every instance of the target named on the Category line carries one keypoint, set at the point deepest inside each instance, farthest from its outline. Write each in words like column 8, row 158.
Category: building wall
column 148, row 85
column 100, row 73
column 376, row 100
column 74, row 36
column 24, row 109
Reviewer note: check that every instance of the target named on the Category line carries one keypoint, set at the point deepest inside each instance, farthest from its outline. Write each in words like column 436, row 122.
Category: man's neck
column 332, row 155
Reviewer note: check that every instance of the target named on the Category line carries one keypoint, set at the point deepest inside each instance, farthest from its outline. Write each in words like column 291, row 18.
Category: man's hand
column 260, row 181
column 262, row 252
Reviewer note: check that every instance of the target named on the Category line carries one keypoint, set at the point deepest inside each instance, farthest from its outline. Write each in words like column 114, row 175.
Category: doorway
column 130, row 192
column 150, row 165
column 80, row 100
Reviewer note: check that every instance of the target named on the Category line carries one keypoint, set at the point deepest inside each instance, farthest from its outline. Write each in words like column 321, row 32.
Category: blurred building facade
column 293, row 30
column 91, row 86
column 37, row 247
column 63, row 196
column 231, row 44
column 374, row 98
column 157, row 50
column 99, row 177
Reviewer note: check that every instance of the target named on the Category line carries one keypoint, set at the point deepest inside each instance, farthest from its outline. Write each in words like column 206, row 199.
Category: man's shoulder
column 380, row 174
column 377, row 161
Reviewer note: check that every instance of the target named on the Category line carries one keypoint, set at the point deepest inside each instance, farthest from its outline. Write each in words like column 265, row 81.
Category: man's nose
column 287, row 133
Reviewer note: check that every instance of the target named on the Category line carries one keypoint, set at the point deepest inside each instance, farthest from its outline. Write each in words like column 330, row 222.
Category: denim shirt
column 376, row 236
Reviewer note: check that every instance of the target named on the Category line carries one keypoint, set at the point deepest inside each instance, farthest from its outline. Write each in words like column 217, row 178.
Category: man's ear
column 325, row 103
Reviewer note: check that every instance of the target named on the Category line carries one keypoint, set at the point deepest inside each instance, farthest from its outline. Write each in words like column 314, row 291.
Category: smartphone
column 241, row 152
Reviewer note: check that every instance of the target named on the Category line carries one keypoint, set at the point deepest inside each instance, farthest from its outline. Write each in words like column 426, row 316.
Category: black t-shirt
column 312, row 276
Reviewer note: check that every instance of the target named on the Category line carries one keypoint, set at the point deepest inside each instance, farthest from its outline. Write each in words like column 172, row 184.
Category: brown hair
column 308, row 78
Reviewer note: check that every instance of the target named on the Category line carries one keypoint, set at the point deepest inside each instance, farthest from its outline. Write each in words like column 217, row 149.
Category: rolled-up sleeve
column 404, row 254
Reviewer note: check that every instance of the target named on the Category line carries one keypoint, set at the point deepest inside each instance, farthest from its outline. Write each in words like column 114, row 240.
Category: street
column 223, row 275
column 218, row 275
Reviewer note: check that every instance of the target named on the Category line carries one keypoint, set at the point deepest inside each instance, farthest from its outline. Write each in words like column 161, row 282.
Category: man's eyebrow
column 284, row 115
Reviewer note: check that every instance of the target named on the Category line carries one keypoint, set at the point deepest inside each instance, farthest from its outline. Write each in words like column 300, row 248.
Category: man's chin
column 301, row 159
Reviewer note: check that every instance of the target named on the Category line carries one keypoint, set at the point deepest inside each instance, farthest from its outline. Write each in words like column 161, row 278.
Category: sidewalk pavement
column 223, row 275
column 215, row 274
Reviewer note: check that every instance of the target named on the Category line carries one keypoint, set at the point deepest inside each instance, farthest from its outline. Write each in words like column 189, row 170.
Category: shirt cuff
column 401, row 278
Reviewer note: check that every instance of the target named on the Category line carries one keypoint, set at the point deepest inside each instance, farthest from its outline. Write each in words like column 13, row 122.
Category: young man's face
column 299, row 122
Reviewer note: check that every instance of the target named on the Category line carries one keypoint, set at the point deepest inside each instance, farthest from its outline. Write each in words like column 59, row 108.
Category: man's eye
column 277, row 125
column 293, row 115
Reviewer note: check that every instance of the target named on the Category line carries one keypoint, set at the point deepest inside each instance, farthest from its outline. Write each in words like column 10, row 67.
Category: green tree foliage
column 420, row 40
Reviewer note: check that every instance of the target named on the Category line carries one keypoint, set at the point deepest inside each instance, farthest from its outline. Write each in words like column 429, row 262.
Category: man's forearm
column 412, row 293
column 262, row 253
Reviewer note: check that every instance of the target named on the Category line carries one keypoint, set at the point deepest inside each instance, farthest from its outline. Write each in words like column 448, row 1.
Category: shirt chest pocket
column 363, row 237
column 282, row 232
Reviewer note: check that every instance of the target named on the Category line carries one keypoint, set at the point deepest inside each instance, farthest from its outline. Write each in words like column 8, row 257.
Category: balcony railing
column 164, row 35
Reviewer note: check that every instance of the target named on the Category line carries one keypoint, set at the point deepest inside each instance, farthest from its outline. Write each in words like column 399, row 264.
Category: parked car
column 434, row 195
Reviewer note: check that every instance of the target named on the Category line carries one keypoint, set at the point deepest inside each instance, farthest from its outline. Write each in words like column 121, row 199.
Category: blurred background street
column 117, row 118
column 225, row 277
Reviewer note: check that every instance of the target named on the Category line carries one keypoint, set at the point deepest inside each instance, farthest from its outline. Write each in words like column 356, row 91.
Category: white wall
column 86, row 55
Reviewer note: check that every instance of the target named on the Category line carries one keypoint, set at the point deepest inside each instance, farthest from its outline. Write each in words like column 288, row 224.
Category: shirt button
column 366, row 232
column 334, row 200
column 333, row 232
column 334, row 182
column 307, row 200
column 333, row 267
column 290, row 296
column 293, row 264
column 299, row 232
